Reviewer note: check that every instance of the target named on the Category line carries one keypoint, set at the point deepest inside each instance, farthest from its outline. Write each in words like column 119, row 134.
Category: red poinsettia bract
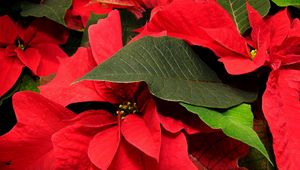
column 273, row 40
column 49, row 136
column 281, row 107
column 79, row 13
column 105, row 40
column 35, row 47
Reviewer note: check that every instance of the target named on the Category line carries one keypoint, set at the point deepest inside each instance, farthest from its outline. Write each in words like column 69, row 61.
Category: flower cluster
column 145, row 112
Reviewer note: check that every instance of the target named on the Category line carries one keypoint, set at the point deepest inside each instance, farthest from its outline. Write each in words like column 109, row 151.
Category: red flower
column 36, row 48
column 47, row 134
column 137, row 134
column 39, row 46
column 10, row 66
column 273, row 40
column 140, row 130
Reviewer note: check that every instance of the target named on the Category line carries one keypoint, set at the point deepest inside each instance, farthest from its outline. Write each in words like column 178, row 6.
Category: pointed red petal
column 11, row 68
column 34, row 109
column 71, row 69
column 24, row 147
column 94, row 118
column 70, row 146
column 137, row 133
column 30, row 57
column 130, row 158
column 216, row 151
column 28, row 145
column 50, row 56
column 103, row 147
column 8, row 31
column 106, row 37
column 237, row 65
column 281, row 107
column 279, row 25
column 174, row 153
column 257, row 23
column 181, row 20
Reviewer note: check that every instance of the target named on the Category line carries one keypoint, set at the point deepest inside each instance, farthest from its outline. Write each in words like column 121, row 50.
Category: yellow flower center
column 126, row 108
column 253, row 53
column 20, row 44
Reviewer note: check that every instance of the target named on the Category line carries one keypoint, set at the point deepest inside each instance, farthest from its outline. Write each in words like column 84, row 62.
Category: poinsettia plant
column 149, row 84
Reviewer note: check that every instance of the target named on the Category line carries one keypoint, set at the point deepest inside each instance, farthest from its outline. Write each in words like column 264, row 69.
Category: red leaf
column 34, row 109
column 28, row 144
column 71, row 69
column 200, row 23
column 281, row 107
column 50, row 56
column 106, row 37
column 137, row 133
column 174, row 153
column 30, row 58
column 130, row 158
column 279, row 25
column 11, row 69
column 181, row 20
column 94, row 118
column 8, row 31
column 70, row 147
column 215, row 151
column 103, row 147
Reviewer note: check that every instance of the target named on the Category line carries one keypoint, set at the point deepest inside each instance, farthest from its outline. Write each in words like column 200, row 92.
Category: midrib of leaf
column 238, row 12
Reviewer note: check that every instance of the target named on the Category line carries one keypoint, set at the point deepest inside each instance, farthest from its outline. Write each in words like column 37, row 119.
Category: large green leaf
column 172, row 71
column 236, row 122
column 52, row 9
column 286, row 2
column 237, row 10
column 254, row 159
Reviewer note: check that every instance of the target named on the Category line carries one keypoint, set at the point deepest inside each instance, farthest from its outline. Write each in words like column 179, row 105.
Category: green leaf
column 236, row 123
column 254, row 159
column 92, row 20
column 172, row 71
column 237, row 10
column 130, row 23
column 52, row 9
column 28, row 83
column 25, row 82
column 284, row 3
